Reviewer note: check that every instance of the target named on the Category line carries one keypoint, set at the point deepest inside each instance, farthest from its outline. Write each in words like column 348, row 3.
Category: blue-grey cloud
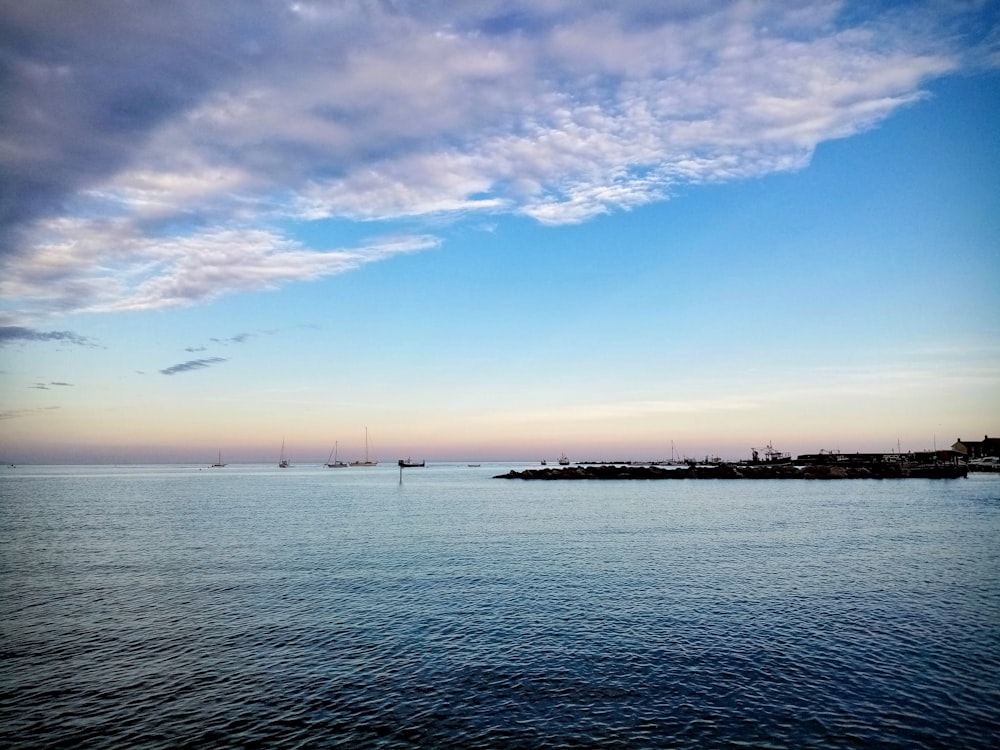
column 13, row 334
column 193, row 364
column 85, row 83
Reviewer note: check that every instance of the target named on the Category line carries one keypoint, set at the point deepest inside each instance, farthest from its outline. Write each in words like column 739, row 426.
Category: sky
column 497, row 230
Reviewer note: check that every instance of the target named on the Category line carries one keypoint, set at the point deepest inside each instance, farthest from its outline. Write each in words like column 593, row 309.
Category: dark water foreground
column 252, row 608
column 741, row 471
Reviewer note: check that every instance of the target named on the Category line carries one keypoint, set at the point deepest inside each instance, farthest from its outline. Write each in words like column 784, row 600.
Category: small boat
column 563, row 461
column 405, row 462
column 986, row 463
column 282, row 461
column 218, row 464
column 474, row 466
column 367, row 461
column 544, row 463
column 332, row 462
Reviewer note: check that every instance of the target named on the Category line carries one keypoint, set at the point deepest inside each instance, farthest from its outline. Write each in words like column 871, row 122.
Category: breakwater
column 740, row 471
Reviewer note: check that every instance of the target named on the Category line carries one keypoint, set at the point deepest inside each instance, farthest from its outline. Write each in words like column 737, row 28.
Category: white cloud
column 203, row 267
column 112, row 267
column 221, row 121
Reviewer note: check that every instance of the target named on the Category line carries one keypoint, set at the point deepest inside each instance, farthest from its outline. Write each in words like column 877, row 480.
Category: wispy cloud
column 17, row 413
column 630, row 409
column 192, row 364
column 245, row 336
column 181, row 178
column 13, row 334
column 901, row 381
column 48, row 386
column 239, row 338
column 112, row 268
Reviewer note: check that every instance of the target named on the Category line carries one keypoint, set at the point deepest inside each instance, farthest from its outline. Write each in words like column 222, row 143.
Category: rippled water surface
column 252, row 607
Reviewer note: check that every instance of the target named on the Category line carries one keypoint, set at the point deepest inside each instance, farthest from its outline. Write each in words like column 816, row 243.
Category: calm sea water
column 250, row 607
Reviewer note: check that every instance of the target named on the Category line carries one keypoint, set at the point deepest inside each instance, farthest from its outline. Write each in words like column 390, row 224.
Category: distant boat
column 771, row 456
column 544, row 463
column 367, row 461
column 984, row 461
column 218, row 464
column 333, row 462
column 404, row 462
column 474, row 466
column 282, row 461
column 563, row 461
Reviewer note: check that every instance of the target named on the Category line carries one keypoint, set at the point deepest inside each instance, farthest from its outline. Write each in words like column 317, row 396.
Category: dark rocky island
column 743, row 471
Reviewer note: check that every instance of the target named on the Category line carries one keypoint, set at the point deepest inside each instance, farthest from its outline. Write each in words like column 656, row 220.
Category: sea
column 253, row 607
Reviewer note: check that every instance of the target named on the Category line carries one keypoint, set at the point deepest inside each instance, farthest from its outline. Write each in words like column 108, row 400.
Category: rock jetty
column 740, row 471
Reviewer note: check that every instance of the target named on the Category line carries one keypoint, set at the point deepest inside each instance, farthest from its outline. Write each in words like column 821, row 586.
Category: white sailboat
column 332, row 462
column 367, row 461
column 282, row 461
column 218, row 464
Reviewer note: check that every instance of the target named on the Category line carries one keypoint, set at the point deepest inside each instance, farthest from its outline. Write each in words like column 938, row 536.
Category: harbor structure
column 974, row 449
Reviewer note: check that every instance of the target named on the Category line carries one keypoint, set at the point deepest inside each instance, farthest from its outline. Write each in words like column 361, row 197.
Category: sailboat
column 367, row 461
column 282, row 461
column 218, row 464
column 333, row 462
column 563, row 461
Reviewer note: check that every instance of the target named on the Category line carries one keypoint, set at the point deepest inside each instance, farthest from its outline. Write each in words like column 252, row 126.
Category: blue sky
column 497, row 230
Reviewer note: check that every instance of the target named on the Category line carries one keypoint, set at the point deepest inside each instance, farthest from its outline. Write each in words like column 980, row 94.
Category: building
column 972, row 449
